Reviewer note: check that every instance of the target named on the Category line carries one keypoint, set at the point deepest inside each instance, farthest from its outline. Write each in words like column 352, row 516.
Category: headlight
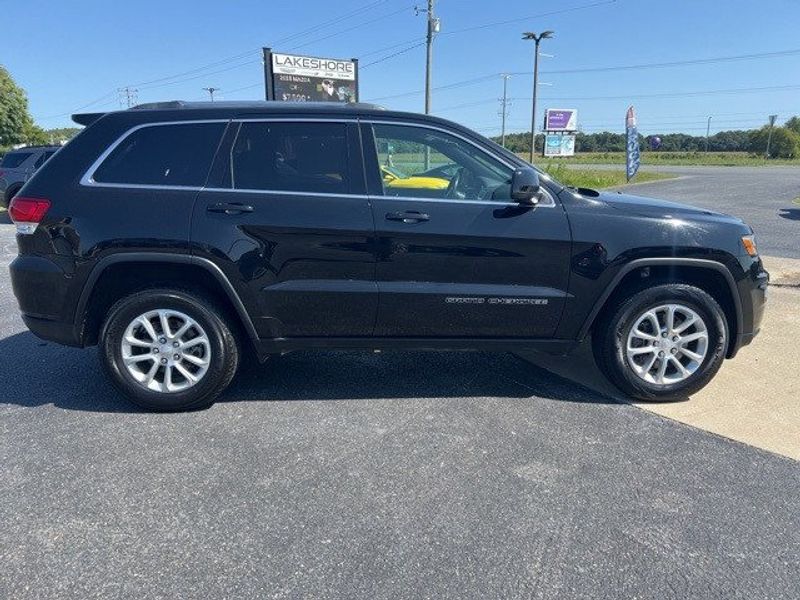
column 749, row 243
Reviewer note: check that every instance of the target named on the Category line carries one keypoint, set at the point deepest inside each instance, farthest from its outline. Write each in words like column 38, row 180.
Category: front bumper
column 752, row 289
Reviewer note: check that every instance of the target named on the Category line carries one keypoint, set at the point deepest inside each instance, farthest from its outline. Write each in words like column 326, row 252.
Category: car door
column 456, row 256
column 285, row 215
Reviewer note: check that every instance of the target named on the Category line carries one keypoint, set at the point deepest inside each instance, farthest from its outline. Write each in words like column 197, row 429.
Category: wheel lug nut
column 174, row 344
column 177, row 357
column 675, row 338
column 674, row 350
column 163, row 361
column 163, row 340
column 664, row 334
column 155, row 350
column 661, row 354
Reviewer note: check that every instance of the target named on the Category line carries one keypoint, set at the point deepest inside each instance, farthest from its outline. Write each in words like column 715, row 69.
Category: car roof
column 30, row 148
column 182, row 110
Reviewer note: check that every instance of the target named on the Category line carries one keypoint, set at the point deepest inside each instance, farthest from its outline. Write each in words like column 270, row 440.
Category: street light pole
column 211, row 91
column 708, row 130
column 772, row 119
column 537, row 38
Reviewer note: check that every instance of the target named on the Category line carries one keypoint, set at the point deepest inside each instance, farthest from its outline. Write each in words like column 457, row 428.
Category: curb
column 783, row 272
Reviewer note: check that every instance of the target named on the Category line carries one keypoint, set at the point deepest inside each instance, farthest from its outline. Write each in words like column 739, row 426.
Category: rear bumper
column 42, row 288
column 53, row 331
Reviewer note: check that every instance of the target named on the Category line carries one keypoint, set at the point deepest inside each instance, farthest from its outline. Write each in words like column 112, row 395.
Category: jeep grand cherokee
column 183, row 237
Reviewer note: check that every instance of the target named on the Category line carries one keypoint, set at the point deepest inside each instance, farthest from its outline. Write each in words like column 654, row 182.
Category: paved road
column 762, row 196
column 353, row 475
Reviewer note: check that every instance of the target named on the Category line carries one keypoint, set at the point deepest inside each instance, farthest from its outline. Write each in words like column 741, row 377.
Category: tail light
column 27, row 213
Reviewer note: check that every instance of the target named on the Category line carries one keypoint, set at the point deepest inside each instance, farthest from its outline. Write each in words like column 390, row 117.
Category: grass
column 720, row 159
column 597, row 179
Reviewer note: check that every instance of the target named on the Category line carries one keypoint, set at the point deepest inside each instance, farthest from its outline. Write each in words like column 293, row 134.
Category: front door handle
column 232, row 208
column 409, row 216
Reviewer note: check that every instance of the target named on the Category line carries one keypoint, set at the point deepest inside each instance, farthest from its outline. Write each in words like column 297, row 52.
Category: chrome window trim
column 483, row 150
column 88, row 177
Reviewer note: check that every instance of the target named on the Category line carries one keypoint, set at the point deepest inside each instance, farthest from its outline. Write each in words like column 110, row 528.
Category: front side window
column 14, row 159
column 178, row 155
column 427, row 163
column 294, row 157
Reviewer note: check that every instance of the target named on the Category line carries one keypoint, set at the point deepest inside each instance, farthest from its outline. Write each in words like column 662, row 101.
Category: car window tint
column 428, row 163
column 178, row 154
column 42, row 159
column 297, row 157
column 14, row 159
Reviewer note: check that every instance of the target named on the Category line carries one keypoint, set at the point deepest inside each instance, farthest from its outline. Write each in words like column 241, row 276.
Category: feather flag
column 632, row 145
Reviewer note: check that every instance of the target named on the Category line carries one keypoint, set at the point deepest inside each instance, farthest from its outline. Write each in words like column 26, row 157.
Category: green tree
column 785, row 143
column 16, row 125
column 793, row 124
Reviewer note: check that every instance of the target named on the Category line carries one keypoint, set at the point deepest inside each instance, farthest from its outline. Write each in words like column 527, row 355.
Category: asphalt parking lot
column 399, row 475
column 762, row 196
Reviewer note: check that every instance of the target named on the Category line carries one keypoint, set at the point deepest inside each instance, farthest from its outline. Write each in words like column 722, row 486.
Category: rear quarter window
column 167, row 155
column 14, row 159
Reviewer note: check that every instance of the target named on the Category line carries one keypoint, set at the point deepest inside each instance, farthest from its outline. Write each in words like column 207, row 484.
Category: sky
column 73, row 56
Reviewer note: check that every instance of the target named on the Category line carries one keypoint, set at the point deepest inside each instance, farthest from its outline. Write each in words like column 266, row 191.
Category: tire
column 208, row 350
column 627, row 339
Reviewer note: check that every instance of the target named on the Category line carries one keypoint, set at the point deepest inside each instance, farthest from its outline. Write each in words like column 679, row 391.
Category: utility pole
column 433, row 28
column 211, row 91
column 529, row 35
column 127, row 96
column 504, row 109
column 708, row 130
column 772, row 119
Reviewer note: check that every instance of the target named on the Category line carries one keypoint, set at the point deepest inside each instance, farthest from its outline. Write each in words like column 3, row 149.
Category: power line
column 518, row 19
column 398, row 53
column 492, row 76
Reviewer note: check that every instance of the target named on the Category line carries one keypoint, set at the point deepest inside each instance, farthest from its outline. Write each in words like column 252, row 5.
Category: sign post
column 560, row 125
column 298, row 78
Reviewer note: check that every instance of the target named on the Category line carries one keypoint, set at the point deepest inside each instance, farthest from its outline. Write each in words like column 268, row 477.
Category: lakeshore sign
column 299, row 78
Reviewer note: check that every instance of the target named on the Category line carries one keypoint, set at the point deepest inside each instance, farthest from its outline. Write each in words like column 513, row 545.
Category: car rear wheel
column 168, row 350
column 662, row 343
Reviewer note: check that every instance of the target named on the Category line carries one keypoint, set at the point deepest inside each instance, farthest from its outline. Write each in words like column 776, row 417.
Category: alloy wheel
column 166, row 351
column 667, row 344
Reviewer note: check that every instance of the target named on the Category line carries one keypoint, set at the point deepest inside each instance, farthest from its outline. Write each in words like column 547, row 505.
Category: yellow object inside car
column 394, row 179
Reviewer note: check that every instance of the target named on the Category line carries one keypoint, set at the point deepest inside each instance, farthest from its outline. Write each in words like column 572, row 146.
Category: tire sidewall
column 692, row 298
column 198, row 395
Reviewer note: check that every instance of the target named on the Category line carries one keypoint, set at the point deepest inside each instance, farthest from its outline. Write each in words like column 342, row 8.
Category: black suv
column 183, row 237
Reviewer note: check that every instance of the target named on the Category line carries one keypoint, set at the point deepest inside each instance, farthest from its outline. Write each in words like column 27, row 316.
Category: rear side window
column 42, row 159
column 179, row 154
column 14, row 159
column 296, row 157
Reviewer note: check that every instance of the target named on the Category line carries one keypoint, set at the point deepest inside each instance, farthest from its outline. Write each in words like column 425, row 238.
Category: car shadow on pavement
column 5, row 219
column 48, row 374
column 792, row 214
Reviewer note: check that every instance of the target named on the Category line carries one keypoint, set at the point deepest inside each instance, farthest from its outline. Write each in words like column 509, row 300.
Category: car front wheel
column 662, row 343
column 168, row 350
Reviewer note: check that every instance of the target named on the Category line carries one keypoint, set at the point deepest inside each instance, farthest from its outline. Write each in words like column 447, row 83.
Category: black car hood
column 654, row 207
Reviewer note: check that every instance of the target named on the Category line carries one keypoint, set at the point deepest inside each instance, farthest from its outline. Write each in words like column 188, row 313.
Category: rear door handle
column 409, row 216
column 232, row 208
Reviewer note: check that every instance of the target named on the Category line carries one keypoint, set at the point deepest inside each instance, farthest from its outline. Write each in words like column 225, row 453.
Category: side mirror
column 525, row 187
